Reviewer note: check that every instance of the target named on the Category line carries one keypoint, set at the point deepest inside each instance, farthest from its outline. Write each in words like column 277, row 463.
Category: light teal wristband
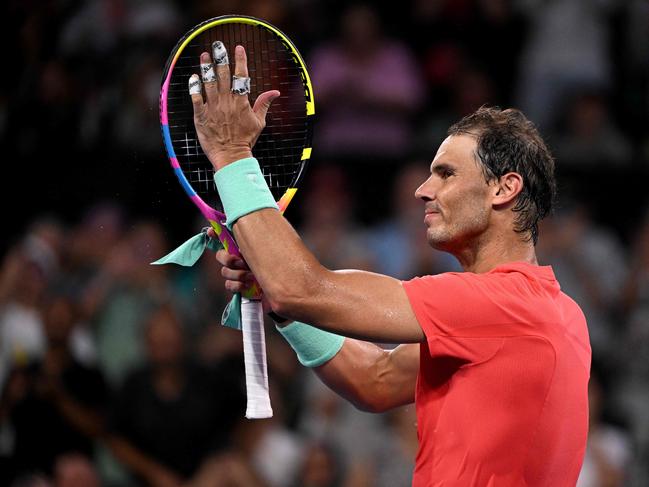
column 313, row 346
column 242, row 189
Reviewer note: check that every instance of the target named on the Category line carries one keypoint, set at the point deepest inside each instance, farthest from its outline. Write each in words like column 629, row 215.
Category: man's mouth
column 430, row 215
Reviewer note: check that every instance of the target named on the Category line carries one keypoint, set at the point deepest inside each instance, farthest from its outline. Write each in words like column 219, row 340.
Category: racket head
column 283, row 148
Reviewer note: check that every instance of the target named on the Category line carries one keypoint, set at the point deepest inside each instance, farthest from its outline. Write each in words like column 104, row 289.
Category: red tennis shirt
column 501, row 393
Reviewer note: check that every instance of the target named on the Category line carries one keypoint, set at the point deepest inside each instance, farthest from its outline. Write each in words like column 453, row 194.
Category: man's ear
column 507, row 188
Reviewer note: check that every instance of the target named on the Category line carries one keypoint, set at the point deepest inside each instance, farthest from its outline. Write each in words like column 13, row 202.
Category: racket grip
column 254, row 353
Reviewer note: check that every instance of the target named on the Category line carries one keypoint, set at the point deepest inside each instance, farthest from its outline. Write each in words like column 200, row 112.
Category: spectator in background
column 394, row 460
column 121, row 294
column 32, row 481
column 135, row 125
column 634, row 394
column 495, row 44
column 172, row 416
column 89, row 244
column 321, row 467
column 590, row 139
column 398, row 245
column 471, row 88
column 23, row 282
column 353, row 435
column 273, row 453
column 567, row 49
column 368, row 88
column 200, row 299
column 608, row 452
column 54, row 405
column 455, row 36
column 30, row 271
column 328, row 224
column 75, row 470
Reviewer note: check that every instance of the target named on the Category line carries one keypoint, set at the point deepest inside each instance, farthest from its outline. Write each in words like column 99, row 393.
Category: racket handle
column 254, row 354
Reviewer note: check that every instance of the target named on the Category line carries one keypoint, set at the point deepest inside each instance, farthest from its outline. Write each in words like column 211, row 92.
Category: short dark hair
column 508, row 142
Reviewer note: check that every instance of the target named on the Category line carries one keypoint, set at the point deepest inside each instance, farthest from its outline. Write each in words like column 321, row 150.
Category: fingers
column 235, row 286
column 240, row 62
column 195, row 94
column 209, row 78
column 215, row 72
column 226, row 259
column 263, row 102
column 236, row 272
column 244, row 277
column 222, row 63
column 240, row 80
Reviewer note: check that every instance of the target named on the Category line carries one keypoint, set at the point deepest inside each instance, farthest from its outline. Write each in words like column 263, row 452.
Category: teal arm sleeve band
column 313, row 346
column 242, row 189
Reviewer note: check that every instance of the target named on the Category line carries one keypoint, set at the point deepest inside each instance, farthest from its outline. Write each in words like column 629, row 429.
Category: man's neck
column 482, row 257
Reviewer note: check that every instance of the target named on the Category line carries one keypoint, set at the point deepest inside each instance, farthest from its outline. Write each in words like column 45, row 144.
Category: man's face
column 456, row 195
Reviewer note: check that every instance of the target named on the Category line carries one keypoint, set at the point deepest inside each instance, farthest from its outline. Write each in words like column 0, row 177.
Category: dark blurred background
column 116, row 373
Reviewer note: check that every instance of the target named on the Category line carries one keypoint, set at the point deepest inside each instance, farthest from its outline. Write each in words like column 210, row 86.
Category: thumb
column 263, row 102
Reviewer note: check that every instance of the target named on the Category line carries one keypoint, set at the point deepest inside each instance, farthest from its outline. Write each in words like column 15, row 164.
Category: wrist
column 313, row 347
column 224, row 157
column 242, row 189
column 280, row 321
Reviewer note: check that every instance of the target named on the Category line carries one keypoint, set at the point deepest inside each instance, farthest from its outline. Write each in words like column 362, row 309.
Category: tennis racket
column 283, row 149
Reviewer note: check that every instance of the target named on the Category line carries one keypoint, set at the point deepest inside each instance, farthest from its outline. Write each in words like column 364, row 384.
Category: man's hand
column 238, row 276
column 226, row 124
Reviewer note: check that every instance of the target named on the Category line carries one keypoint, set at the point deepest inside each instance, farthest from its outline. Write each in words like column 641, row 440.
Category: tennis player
column 496, row 358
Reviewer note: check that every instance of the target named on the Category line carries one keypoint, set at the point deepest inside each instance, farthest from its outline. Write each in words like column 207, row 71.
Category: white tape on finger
column 207, row 73
column 219, row 54
column 240, row 85
column 194, row 85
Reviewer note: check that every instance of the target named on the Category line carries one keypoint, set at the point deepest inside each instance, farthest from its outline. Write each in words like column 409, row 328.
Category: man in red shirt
column 495, row 358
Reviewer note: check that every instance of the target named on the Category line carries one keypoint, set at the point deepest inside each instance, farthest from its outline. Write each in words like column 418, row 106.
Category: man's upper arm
column 371, row 378
column 359, row 304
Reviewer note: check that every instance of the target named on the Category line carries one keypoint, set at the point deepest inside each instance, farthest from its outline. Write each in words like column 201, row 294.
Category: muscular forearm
column 371, row 378
column 356, row 304
column 277, row 256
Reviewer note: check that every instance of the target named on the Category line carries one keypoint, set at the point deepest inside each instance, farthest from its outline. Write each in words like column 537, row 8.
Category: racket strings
column 270, row 66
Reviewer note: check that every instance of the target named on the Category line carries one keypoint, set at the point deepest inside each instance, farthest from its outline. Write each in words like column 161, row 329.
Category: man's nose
column 425, row 191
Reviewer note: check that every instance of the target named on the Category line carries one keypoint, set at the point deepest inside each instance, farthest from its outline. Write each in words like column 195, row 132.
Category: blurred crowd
column 116, row 373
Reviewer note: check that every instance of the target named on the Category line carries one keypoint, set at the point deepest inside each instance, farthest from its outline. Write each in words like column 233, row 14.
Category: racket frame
column 258, row 404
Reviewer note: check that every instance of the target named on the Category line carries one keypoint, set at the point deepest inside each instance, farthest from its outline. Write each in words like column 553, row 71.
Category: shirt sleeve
column 462, row 315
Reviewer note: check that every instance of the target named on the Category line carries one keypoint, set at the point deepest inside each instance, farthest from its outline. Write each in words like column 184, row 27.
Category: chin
column 439, row 241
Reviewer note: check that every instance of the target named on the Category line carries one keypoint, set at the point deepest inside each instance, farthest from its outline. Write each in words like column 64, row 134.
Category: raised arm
column 356, row 304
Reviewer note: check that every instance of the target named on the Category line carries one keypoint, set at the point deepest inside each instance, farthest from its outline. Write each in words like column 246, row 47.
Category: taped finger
column 219, row 54
column 240, row 85
column 222, row 63
column 207, row 73
column 194, row 86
